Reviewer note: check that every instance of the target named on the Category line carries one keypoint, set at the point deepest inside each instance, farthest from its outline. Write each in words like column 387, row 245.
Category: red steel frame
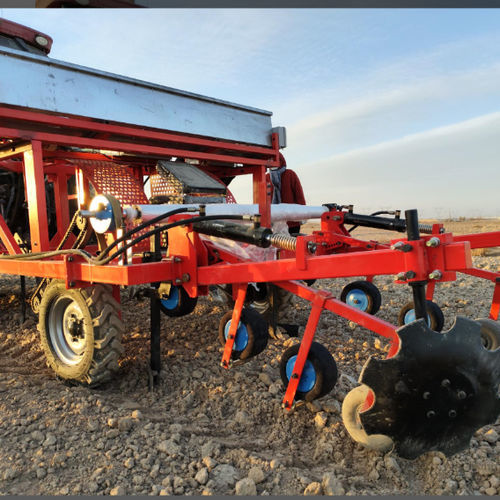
column 31, row 145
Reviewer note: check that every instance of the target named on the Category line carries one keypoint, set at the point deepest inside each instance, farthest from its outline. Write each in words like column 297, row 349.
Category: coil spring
column 284, row 241
column 425, row 228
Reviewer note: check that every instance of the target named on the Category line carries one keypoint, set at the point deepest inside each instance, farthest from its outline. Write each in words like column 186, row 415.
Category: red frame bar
column 35, row 196
column 241, row 291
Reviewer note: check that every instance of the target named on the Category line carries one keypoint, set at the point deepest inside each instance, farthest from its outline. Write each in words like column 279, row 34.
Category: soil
column 207, row 430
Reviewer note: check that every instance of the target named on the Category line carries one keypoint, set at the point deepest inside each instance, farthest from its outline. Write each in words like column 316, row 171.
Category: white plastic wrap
column 246, row 251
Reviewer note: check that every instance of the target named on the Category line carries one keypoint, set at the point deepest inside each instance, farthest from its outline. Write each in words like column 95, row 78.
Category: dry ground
column 205, row 430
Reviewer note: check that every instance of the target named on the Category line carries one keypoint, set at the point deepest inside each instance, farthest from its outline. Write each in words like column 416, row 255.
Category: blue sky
column 384, row 108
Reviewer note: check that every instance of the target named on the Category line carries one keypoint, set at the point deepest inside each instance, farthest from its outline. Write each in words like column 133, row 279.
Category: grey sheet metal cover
column 192, row 178
column 46, row 84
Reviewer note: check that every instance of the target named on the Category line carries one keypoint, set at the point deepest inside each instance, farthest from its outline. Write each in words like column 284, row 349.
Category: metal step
column 45, row 84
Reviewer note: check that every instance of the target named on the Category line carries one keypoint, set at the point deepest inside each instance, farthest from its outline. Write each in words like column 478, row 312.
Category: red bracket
column 317, row 307
column 241, row 291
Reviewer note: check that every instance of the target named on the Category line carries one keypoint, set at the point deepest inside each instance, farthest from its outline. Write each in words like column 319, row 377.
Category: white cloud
column 447, row 170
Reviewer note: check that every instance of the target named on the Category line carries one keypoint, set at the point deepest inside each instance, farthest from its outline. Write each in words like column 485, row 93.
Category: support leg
column 155, row 318
column 305, row 346
column 23, row 299
column 155, row 315
column 495, row 303
column 418, row 287
column 241, row 291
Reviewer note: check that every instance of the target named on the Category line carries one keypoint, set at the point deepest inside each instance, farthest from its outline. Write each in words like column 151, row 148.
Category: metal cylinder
column 245, row 233
column 281, row 212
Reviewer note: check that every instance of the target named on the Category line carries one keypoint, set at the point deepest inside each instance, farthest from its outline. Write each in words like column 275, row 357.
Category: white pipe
column 281, row 212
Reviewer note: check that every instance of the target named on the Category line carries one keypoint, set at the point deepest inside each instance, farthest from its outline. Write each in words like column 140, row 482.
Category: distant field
column 465, row 226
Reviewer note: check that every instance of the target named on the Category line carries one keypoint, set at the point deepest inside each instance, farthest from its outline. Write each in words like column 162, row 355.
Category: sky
column 384, row 108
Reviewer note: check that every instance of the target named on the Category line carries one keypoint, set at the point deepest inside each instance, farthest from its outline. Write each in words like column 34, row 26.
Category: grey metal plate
column 192, row 178
column 46, row 84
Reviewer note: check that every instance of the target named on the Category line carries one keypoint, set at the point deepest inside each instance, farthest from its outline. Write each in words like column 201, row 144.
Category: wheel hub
column 66, row 330
column 436, row 392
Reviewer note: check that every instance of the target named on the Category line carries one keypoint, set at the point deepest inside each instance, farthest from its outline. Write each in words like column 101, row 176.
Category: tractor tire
column 351, row 406
column 80, row 332
column 318, row 376
column 434, row 314
column 490, row 333
column 251, row 336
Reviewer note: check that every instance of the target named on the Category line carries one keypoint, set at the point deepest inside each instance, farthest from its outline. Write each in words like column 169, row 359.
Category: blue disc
column 357, row 298
column 308, row 377
column 241, row 339
column 173, row 299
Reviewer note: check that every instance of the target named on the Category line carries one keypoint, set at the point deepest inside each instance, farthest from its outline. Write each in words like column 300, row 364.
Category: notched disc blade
column 436, row 392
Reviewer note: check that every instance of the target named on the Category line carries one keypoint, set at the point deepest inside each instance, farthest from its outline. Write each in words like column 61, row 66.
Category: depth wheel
column 318, row 376
column 251, row 335
column 435, row 317
column 80, row 332
column 351, row 407
column 177, row 302
column 490, row 333
column 363, row 295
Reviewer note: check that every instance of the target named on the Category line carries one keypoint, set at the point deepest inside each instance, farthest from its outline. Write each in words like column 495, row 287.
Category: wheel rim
column 410, row 317
column 241, row 338
column 66, row 330
column 308, row 377
column 357, row 298
column 173, row 299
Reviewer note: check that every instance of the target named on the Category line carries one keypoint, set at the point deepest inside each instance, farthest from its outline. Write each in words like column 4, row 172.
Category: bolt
column 71, row 284
column 402, row 246
column 70, row 258
column 311, row 246
column 433, row 242
column 295, row 376
column 178, row 281
column 336, row 217
column 426, row 395
column 436, row 275
column 431, row 414
column 186, row 277
column 461, row 394
column 177, row 260
column 231, row 336
column 445, row 383
column 452, row 413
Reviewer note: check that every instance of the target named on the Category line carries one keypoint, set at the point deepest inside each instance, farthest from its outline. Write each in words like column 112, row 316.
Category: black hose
column 379, row 212
column 183, row 222
column 142, row 226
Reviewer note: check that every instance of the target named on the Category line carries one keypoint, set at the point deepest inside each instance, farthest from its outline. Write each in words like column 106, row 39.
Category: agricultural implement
column 109, row 182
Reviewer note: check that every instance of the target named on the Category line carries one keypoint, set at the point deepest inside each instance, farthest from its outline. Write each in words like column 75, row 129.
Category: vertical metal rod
column 155, row 318
column 418, row 287
column 274, row 309
column 23, row 299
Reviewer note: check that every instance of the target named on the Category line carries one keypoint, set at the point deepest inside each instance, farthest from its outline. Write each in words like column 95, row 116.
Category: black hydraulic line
column 379, row 212
column 382, row 223
column 99, row 262
column 418, row 287
column 259, row 236
column 142, row 226
column 160, row 229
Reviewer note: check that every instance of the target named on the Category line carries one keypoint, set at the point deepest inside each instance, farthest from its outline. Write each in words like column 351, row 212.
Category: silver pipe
column 281, row 212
